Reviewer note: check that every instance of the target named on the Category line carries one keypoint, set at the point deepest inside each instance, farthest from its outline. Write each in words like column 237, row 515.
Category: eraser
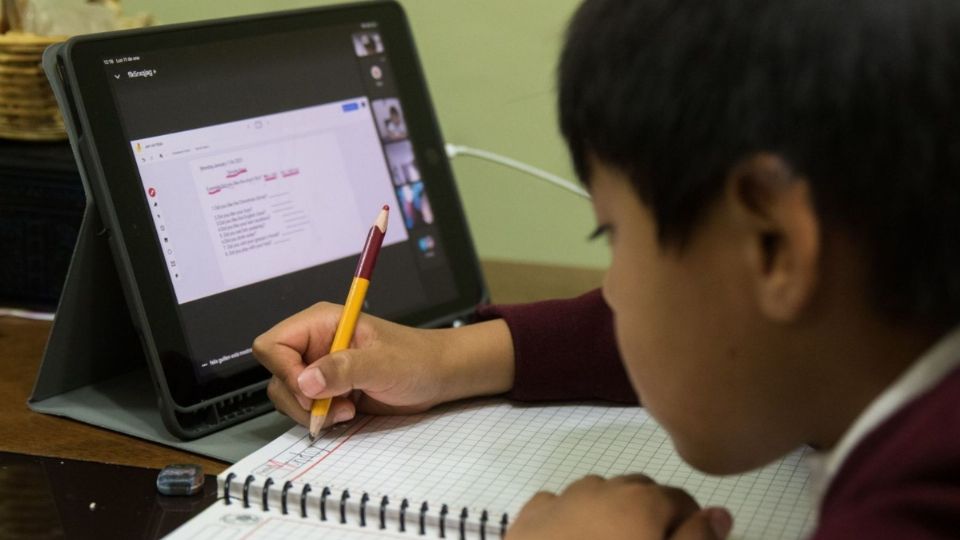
column 180, row 479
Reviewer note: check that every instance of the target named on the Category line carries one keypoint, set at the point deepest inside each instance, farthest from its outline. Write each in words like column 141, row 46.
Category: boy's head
column 791, row 149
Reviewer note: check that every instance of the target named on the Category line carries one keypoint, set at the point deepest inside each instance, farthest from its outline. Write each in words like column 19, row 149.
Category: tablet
column 237, row 166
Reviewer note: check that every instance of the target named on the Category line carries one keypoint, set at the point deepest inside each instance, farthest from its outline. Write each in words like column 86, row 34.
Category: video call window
column 390, row 122
column 403, row 166
column 367, row 43
column 392, row 128
column 415, row 205
column 410, row 192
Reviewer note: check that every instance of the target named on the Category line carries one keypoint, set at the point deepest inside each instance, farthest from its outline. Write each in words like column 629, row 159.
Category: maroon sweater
column 564, row 350
column 901, row 481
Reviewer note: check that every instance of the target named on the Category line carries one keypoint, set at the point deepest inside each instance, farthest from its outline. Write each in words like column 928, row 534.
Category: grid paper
column 493, row 454
column 222, row 522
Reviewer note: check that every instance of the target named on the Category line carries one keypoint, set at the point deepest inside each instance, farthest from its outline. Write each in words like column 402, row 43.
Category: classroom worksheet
column 494, row 455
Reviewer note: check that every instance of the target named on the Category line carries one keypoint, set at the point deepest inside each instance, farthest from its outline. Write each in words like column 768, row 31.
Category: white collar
column 927, row 371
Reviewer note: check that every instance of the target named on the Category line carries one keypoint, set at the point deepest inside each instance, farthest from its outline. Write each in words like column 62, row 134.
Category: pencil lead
column 316, row 422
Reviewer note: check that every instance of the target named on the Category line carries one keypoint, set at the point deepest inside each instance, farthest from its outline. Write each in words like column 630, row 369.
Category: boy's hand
column 389, row 369
column 631, row 506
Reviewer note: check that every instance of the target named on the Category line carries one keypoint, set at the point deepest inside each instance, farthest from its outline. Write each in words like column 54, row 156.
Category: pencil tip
column 381, row 222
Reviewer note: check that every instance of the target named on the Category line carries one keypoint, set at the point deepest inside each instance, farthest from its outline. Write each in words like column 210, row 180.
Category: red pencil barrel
column 368, row 257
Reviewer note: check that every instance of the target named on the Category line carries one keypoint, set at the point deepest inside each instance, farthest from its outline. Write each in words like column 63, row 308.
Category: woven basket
column 28, row 110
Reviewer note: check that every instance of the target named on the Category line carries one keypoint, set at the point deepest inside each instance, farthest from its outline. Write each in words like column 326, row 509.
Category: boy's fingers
column 681, row 503
column 286, row 403
column 307, row 334
column 341, row 410
column 633, row 478
column 337, row 374
column 707, row 524
column 305, row 402
column 283, row 361
column 536, row 502
column 311, row 382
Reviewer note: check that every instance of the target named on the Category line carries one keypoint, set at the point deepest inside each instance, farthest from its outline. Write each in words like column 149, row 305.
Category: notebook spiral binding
column 382, row 521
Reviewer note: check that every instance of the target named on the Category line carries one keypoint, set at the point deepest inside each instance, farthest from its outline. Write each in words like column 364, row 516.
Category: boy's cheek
column 609, row 287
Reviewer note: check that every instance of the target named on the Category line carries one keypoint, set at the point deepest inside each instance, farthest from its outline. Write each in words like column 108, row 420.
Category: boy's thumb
column 337, row 373
column 707, row 524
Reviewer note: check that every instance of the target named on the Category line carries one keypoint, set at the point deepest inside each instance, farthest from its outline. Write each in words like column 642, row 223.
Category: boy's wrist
column 477, row 360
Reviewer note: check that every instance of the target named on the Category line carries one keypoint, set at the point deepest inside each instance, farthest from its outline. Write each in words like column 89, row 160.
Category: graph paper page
column 493, row 454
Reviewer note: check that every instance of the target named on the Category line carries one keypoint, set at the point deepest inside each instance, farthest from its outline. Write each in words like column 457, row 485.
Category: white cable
column 454, row 150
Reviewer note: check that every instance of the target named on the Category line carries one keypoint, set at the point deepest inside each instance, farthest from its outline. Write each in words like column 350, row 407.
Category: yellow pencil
column 352, row 307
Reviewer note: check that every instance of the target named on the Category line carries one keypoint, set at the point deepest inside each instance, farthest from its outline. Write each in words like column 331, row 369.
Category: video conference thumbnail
column 367, row 43
column 415, row 205
column 403, row 165
column 389, row 117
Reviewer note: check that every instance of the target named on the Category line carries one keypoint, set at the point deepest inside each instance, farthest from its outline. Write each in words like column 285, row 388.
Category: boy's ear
column 775, row 211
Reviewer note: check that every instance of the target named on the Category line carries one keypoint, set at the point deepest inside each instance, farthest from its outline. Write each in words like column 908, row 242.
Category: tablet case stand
column 93, row 368
column 94, row 371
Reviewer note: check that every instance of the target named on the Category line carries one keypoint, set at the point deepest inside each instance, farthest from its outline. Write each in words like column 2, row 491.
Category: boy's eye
column 602, row 230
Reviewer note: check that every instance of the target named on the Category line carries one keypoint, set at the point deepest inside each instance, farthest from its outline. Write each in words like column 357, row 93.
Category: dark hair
column 861, row 97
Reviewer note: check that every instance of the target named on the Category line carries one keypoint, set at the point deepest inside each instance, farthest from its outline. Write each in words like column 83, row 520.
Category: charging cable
column 454, row 150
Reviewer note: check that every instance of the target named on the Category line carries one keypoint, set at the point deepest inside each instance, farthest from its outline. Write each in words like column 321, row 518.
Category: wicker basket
column 28, row 110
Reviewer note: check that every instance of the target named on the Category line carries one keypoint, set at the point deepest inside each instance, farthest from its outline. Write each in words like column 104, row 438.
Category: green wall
column 490, row 67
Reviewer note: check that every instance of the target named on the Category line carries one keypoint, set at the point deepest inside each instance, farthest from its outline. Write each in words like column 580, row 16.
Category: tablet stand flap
column 127, row 404
column 93, row 368
column 93, row 337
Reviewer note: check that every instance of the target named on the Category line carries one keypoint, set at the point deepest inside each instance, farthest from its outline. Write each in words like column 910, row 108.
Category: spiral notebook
column 464, row 470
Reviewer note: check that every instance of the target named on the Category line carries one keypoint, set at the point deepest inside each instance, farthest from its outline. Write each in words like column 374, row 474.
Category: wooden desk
column 21, row 348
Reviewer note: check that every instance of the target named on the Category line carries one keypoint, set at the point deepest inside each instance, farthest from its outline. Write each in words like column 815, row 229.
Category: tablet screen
column 263, row 197
column 261, row 161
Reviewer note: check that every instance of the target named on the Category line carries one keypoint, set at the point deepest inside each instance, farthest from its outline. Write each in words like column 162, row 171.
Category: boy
column 779, row 182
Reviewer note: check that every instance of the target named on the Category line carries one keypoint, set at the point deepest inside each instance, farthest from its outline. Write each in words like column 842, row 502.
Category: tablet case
column 93, row 369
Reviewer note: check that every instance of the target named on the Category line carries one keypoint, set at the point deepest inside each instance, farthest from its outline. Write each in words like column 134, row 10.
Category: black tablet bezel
column 106, row 155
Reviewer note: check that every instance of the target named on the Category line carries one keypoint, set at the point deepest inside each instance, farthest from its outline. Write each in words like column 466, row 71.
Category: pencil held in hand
column 351, row 308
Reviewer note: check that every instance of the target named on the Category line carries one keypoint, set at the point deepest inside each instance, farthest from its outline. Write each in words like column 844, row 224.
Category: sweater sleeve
column 564, row 350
